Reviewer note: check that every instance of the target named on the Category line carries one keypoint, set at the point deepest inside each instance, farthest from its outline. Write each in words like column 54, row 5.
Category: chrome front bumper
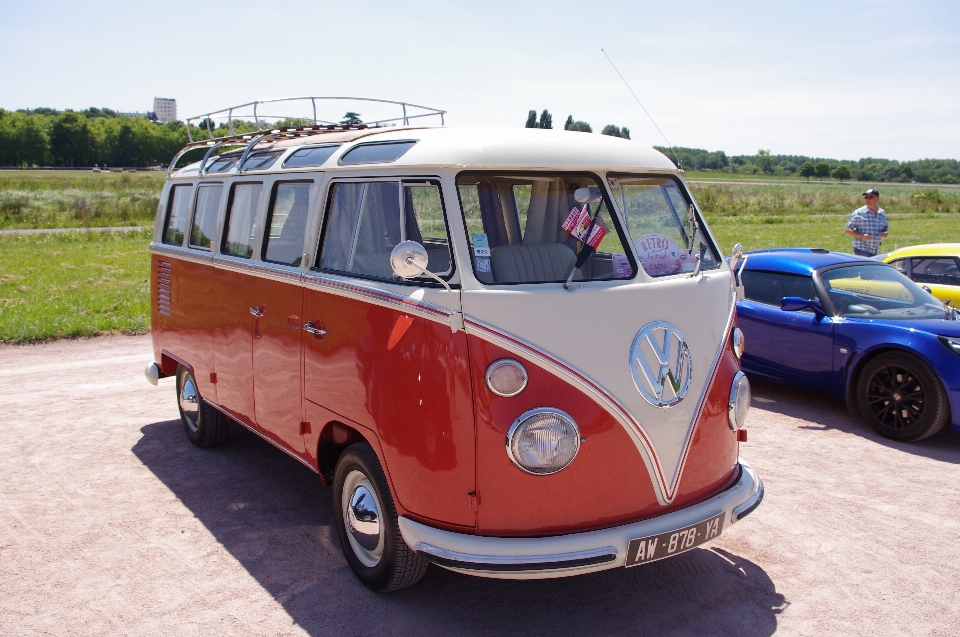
column 577, row 553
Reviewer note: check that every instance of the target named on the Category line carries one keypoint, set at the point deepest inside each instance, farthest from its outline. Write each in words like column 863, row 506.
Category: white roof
column 502, row 148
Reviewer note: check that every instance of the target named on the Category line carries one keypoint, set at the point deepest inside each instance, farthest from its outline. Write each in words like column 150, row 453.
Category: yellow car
column 935, row 265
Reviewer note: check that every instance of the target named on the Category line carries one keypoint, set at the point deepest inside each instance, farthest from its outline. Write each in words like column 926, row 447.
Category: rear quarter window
column 178, row 208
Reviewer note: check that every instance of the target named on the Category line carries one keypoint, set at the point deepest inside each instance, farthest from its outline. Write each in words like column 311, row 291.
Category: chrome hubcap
column 189, row 402
column 362, row 517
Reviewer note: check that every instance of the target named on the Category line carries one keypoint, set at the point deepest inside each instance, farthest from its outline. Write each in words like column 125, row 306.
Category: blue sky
column 843, row 79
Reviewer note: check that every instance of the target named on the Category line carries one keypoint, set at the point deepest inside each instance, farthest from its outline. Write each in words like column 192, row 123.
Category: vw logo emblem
column 661, row 364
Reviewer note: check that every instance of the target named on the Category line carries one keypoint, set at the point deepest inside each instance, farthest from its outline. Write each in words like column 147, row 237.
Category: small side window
column 310, row 157
column 241, row 225
column 770, row 287
column 205, row 216
column 901, row 265
column 287, row 223
column 376, row 153
column 178, row 208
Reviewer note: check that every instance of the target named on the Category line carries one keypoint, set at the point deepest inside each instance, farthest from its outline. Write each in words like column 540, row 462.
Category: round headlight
column 739, row 401
column 543, row 441
column 506, row 377
column 738, row 342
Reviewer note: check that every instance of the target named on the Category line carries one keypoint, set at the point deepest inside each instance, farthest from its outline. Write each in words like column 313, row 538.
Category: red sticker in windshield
column 577, row 223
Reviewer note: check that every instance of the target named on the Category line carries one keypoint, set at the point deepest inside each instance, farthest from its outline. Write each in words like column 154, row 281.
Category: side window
column 901, row 265
column 770, row 287
column 425, row 224
column 178, row 208
column 205, row 216
column 287, row 223
column 938, row 271
column 365, row 220
column 241, row 225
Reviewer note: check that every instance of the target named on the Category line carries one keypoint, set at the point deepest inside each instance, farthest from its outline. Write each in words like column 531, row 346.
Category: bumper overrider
column 577, row 553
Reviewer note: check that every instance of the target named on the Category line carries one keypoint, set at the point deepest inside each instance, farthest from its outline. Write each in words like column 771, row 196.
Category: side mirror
column 587, row 195
column 409, row 259
column 798, row 304
column 736, row 261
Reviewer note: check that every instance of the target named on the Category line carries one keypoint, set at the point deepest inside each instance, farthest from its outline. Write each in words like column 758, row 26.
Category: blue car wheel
column 901, row 397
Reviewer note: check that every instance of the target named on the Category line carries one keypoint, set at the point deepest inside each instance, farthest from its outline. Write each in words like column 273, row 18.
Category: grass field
column 80, row 284
column 73, row 284
column 77, row 198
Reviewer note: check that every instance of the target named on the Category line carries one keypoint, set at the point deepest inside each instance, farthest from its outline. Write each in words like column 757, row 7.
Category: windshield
column 525, row 229
column 879, row 291
column 657, row 212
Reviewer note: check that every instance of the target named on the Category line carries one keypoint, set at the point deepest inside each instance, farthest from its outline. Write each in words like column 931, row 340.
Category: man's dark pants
column 863, row 253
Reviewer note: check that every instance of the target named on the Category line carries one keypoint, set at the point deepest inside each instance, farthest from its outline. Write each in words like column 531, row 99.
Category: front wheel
column 367, row 524
column 901, row 397
column 204, row 425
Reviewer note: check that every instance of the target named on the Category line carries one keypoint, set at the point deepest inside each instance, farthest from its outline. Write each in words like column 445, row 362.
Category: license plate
column 657, row 547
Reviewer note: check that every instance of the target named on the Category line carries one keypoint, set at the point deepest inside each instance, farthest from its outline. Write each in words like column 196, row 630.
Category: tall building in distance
column 165, row 109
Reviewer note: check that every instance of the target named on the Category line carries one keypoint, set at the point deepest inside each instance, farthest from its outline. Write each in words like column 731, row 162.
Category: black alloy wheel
column 901, row 397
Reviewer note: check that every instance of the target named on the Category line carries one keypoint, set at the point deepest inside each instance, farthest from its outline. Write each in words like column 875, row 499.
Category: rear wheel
column 901, row 397
column 204, row 425
column 367, row 523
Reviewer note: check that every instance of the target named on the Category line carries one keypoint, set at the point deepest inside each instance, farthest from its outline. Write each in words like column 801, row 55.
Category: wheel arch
column 334, row 438
column 853, row 376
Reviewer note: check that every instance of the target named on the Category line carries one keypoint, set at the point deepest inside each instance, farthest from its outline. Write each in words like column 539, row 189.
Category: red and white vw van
column 512, row 353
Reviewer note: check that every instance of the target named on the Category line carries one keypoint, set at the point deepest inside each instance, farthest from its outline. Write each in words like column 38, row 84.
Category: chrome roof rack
column 265, row 133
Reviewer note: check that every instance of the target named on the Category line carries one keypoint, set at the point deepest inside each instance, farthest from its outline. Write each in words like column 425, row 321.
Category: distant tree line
column 546, row 121
column 101, row 136
column 934, row 171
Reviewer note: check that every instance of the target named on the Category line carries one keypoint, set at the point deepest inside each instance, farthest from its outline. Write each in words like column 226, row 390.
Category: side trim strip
column 254, row 430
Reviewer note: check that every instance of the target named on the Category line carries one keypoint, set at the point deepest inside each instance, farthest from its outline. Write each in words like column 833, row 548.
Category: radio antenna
column 643, row 107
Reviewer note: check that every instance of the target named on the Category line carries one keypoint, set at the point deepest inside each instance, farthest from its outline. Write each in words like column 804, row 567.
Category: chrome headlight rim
column 526, row 417
column 740, row 383
column 499, row 364
column 738, row 342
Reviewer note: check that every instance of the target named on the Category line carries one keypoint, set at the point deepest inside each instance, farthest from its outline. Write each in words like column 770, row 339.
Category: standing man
column 868, row 225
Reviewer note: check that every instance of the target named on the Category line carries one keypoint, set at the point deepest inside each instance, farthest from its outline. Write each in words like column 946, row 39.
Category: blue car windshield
column 880, row 292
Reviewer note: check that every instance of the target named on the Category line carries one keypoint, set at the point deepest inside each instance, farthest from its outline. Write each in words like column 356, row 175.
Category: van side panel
column 407, row 378
column 606, row 484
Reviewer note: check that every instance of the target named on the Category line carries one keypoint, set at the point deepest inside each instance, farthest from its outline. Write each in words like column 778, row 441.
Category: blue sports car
column 856, row 329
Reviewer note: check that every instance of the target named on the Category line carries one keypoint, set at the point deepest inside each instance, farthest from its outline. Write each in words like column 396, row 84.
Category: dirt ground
column 111, row 522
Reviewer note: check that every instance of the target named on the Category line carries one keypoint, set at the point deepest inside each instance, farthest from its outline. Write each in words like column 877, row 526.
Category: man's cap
column 872, row 191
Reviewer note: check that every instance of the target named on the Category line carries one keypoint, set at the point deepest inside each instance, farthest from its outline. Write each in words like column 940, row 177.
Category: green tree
column 821, row 170
column 546, row 119
column 351, row 118
column 71, row 140
column 807, row 170
column 616, row 131
column 577, row 125
column 764, row 161
column 532, row 119
column 840, row 173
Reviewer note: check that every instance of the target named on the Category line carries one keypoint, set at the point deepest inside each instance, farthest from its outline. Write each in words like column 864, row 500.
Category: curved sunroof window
column 313, row 156
column 261, row 160
column 376, row 153
column 222, row 164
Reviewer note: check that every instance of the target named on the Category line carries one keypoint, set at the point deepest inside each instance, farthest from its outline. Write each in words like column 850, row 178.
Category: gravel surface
column 111, row 522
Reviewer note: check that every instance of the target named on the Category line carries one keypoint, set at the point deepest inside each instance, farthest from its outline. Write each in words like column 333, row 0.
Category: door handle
column 256, row 311
column 318, row 331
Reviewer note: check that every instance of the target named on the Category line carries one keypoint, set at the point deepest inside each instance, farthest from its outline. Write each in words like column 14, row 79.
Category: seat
column 531, row 263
